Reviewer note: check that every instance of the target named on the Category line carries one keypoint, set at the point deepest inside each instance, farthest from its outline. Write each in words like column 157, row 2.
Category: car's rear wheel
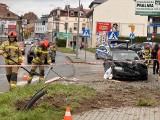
column 53, row 61
column 28, row 60
column 96, row 56
column 23, row 53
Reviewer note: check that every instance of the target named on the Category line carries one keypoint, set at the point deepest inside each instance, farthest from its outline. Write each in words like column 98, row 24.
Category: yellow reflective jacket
column 147, row 53
column 53, row 47
column 13, row 50
column 40, row 55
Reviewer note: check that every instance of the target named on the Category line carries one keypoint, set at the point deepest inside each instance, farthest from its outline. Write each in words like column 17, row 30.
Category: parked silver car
column 28, row 41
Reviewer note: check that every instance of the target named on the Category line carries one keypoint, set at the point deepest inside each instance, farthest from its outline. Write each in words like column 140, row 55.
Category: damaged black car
column 125, row 65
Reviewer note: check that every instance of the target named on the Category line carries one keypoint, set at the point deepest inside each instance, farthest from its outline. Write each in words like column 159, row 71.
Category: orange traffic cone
column 68, row 114
column 25, row 77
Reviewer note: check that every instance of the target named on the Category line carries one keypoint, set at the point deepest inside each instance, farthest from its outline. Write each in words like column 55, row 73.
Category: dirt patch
column 115, row 95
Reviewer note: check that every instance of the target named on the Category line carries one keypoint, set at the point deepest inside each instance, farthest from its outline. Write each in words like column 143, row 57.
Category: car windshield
column 125, row 56
column 119, row 45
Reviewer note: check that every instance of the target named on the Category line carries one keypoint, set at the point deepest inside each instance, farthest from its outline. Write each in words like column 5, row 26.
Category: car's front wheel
column 144, row 78
column 96, row 56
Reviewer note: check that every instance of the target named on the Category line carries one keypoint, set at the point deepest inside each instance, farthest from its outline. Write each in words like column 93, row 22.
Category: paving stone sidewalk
column 123, row 113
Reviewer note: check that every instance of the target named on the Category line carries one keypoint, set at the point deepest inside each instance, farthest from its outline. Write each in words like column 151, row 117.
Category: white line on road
column 22, row 83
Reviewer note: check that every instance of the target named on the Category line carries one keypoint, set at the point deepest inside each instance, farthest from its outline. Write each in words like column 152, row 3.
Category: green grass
column 67, row 95
column 92, row 50
column 66, row 50
column 146, row 102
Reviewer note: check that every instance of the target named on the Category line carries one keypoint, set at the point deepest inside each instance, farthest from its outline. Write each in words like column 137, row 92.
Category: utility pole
column 77, row 40
column 67, row 23
column 53, row 26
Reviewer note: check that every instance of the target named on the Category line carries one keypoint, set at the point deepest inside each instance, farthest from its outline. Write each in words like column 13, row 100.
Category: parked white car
column 28, row 41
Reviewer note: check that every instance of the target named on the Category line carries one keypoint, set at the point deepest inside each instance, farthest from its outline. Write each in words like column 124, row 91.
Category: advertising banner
column 147, row 7
column 103, row 26
column 11, row 24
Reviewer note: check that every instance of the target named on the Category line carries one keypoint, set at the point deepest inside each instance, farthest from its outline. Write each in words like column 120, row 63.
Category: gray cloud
column 40, row 7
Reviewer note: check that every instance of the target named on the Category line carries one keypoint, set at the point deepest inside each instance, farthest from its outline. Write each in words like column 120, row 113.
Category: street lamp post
column 20, row 26
column 53, row 23
column 77, row 40
column 67, row 24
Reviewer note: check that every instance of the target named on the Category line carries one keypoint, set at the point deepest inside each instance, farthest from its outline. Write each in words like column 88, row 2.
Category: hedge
column 139, row 39
column 61, row 42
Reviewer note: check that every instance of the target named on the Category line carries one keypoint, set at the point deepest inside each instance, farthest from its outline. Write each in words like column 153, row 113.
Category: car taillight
column 28, row 53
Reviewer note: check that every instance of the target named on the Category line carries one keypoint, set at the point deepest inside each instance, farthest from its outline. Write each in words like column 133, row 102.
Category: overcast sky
column 40, row 7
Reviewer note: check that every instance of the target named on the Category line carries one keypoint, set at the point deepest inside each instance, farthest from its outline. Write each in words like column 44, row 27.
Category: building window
column 8, row 14
column 72, row 13
column 83, row 26
column 75, row 26
column 66, row 26
column 154, row 29
column 81, row 13
column 57, row 27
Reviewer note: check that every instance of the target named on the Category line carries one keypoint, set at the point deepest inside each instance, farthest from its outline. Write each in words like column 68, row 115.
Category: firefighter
column 53, row 48
column 10, row 50
column 154, row 56
column 41, row 55
column 147, row 54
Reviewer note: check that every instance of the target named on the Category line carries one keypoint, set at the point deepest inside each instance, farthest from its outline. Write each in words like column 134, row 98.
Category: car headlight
column 118, row 68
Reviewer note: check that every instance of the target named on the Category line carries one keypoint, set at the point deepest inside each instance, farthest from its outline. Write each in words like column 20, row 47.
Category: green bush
column 61, row 43
column 146, row 102
column 139, row 39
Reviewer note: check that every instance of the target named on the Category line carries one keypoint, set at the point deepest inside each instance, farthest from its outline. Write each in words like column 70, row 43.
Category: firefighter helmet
column 147, row 47
column 12, row 33
column 45, row 43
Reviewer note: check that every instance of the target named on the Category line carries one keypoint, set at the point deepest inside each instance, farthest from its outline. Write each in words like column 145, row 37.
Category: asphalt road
column 63, row 70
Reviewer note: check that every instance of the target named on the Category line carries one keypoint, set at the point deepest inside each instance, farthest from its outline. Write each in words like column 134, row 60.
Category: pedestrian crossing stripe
column 112, row 36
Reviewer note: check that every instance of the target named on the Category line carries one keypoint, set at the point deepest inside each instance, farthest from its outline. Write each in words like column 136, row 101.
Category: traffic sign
column 112, row 35
column 131, row 36
column 64, row 35
column 86, row 33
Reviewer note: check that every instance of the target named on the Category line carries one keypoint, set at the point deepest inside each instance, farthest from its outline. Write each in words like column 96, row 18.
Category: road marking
column 22, row 83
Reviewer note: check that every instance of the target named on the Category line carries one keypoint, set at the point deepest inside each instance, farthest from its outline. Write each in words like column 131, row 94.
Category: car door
column 104, row 52
column 100, row 51
column 107, row 61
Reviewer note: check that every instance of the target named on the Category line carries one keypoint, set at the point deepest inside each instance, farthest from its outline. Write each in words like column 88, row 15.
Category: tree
column 30, row 16
column 27, row 33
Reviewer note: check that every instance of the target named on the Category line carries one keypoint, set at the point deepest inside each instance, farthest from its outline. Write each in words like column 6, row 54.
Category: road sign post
column 131, row 37
column 85, row 34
